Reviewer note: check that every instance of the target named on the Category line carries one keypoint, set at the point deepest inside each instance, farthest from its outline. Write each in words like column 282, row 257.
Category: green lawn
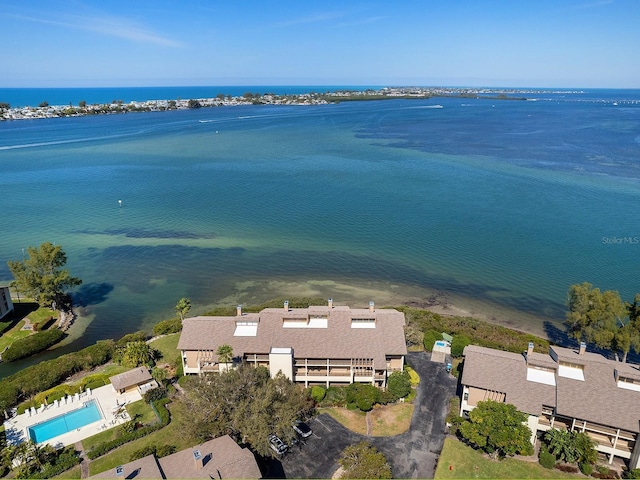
column 458, row 460
column 13, row 334
column 136, row 408
column 172, row 434
column 168, row 347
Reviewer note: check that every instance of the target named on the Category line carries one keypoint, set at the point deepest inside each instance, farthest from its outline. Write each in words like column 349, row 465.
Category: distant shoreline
column 44, row 110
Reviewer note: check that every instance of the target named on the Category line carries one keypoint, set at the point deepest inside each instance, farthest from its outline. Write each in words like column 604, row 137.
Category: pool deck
column 16, row 428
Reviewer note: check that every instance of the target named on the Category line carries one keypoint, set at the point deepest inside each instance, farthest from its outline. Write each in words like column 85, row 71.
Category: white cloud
column 101, row 24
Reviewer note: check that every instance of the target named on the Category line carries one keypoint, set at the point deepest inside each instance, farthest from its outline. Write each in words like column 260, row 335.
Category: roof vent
column 197, row 457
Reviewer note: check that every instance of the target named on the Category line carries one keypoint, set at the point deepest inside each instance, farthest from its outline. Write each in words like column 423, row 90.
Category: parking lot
column 413, row 454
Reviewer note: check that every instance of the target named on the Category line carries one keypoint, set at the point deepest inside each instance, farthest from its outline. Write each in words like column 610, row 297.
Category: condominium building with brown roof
column 319, row 345
column 565, row 389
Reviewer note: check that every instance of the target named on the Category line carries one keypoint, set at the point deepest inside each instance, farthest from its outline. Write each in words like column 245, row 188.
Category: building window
column 363, row 323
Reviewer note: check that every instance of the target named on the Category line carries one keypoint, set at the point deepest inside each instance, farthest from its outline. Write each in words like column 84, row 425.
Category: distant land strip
column 44, row 110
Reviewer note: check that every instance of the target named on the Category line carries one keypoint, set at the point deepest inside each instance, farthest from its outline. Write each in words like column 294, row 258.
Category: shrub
column 318, row 393
column 138, row 336
column 166, row 327
column 143, row 452
column 27, row 346
column 399, row 384
column 414, row 378
column 431, row 337
column 64, row 461
column 155, row 394
column 458, row 344
column 164, row 450
column 335, row 397
column 635, row 473
column 546, row 459
column 361, row 396
column 586, row 468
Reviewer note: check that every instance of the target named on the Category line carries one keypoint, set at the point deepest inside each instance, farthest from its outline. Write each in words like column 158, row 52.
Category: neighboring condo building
column 320, row 345
column 565, row 389
column 6, row 305
column 217, row 458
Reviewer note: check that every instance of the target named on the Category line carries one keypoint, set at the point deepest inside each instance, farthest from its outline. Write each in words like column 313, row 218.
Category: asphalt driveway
column 413, row 454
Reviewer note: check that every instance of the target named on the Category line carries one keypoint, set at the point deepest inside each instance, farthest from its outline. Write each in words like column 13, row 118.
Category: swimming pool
column 75, row 419
column 440, row 343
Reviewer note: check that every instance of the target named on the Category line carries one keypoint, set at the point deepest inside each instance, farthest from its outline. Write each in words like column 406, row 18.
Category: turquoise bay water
column 496, row 206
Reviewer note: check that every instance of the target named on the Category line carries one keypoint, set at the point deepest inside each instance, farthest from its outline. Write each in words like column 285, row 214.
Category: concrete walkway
column 84, row 460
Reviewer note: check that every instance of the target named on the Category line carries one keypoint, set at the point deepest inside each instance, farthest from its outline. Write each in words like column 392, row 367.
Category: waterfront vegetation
column 424, row 326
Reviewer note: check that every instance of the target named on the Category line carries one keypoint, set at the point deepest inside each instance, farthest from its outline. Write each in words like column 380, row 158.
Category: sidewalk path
column 84, row 460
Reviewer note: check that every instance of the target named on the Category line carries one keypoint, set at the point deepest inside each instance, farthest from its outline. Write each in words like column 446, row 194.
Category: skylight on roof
column 571, row 372
column 541, row 376
column 246, row 330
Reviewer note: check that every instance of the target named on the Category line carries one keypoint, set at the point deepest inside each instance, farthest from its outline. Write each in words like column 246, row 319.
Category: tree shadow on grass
column 91, row 294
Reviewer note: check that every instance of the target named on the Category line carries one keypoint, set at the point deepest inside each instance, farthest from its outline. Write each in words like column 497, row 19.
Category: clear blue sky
column 537, row 43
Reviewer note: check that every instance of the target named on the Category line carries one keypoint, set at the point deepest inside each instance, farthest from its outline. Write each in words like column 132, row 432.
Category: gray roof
column 223, row 458
column 597, row 399
column 505, row 372
column 137, row 376
column 338, row 340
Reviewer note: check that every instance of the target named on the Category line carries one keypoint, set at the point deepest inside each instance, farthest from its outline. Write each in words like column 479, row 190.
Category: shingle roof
column 597, row 399
column 338, row 340
column 505, row 372
column 137, row 376
column 223, row 458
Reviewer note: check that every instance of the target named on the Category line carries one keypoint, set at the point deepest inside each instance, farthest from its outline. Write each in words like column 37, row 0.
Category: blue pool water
column 440, row 343
column 44, row 431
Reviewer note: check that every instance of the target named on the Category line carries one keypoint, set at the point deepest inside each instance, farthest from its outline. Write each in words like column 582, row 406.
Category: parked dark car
column 302, row 429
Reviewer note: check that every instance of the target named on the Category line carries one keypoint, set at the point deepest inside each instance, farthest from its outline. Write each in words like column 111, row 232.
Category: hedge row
column 35, row 343
column 66, row 460
column 44, row 375
column 106, row 447
column 166, row 327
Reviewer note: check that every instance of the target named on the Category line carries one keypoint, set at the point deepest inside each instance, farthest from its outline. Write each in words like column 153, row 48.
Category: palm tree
column 225, row 353
column 182, row 307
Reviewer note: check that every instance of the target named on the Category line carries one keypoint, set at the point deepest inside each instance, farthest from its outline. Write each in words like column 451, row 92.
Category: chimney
column 286, row 305
column 530, row 349
column 371, row 307
column 239, row 310
column 583, row 348
column 330, row 302
column 197, row 457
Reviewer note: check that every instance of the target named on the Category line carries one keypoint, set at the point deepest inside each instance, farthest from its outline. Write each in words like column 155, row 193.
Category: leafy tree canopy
column 363, row 460
column 245, row 403
column 42, row 276
column 600, row 318
column 498, row 429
